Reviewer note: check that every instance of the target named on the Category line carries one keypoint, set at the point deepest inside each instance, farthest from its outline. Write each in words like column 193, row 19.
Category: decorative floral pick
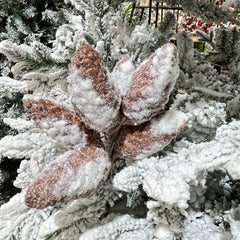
column 118, row 114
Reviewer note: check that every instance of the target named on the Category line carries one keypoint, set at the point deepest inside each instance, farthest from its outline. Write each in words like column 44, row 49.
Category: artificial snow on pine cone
column 151, row 85
column 75, row 174
column 121, row 75
column 138, row 142
column 96, row 105
column 94, row 98
column 59, row 121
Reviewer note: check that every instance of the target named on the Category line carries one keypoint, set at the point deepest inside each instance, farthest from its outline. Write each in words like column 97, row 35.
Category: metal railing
column 156, row 11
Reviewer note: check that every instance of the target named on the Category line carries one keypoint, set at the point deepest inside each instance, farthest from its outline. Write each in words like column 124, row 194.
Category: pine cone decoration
column 151, row 85
column 121, row 76
column 138, row 142
column 96, row 102
column 94, row 98
column 76, row 174
column 60, row 122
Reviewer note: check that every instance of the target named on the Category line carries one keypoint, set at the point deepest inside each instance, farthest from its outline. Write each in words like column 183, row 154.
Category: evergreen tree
column 119, row 133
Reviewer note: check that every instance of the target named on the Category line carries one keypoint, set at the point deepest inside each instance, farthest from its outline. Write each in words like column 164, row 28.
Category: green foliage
column 186, row 53
column 213, row 75
column 166, row 214
column 165, row 29
column 23, row 19
column 10, row 106
column 225, row 45
column 127, row 11
column 207, row 38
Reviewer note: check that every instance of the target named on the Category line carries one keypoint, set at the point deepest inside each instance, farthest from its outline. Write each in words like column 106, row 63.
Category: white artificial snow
column 18, row 124
column 169, row 123
column 18, row 220
column 36, row 148
column 232, row 217
column 69, row 135
column 52, row 75
column 12, row 85
column 22, row 145
column 205, row 114
column 200, row 226
column 235, row 230
column 120, row 78
column 164, row 72
column 41, row 156
column 121, row 228
column 100, row 47
column 18, row 68
column 88, row 176
column 6, row 45
column 164, row 232
column 39, row 97
column 169, row 179
column 95, row 111
column 77, row 215
column 176, row 173
column 69, row 36
column 21, row 222
column 128, row 179
column 131, row 177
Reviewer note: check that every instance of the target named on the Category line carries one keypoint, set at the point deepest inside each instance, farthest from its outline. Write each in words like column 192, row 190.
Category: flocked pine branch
column 12, row 85
column 30, row 58
column 97, row 15
column 201, row 226
column 25, row 21
column 209, row 73
column 171, row 180
column 66, row 221
column 123, row 227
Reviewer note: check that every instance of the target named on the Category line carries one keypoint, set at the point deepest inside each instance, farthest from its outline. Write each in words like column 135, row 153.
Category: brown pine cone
column 75, row 174
column 61, row 123
column 139, row 142
column 94, row 98
column 151, row 85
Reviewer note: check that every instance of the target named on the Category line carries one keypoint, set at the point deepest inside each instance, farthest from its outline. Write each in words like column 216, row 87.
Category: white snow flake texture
column 121, row 228
column 168, row 179
column 151, row 85
column 74, row 174
column 94, row 98
column 199, row 226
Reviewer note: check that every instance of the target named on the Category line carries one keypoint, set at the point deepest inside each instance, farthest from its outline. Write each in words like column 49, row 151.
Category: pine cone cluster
column 124, row 106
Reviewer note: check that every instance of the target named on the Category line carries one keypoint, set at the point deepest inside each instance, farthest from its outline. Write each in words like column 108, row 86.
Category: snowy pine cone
column 151, row 85
column 75, row 174
column 94, row 98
